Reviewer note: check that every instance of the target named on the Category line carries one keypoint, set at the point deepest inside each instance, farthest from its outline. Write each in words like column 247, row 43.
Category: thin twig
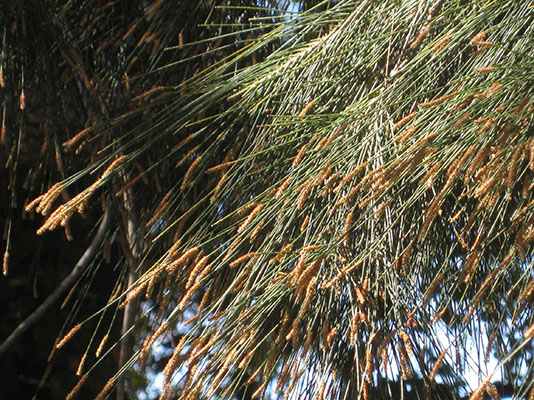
column 78, row 269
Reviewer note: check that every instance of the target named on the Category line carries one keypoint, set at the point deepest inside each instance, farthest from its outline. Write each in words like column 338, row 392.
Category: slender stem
column 135, row 250
column 78, row 269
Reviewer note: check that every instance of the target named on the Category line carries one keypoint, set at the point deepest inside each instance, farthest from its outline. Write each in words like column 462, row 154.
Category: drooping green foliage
column 343, row 199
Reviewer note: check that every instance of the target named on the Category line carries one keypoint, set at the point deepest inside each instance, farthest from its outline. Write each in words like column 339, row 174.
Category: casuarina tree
column 314, row 199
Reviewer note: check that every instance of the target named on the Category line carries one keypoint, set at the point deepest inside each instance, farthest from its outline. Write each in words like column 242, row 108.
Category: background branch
column 78, row 269
column 134, row 245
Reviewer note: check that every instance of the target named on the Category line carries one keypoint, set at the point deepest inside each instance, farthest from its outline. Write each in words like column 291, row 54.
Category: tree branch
column 78, row 269
column 134, row 247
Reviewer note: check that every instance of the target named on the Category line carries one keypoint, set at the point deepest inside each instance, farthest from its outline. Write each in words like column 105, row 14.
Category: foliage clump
column 344, row 200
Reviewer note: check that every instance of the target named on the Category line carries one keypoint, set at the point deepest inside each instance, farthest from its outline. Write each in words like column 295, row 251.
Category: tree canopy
column 323, row 199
